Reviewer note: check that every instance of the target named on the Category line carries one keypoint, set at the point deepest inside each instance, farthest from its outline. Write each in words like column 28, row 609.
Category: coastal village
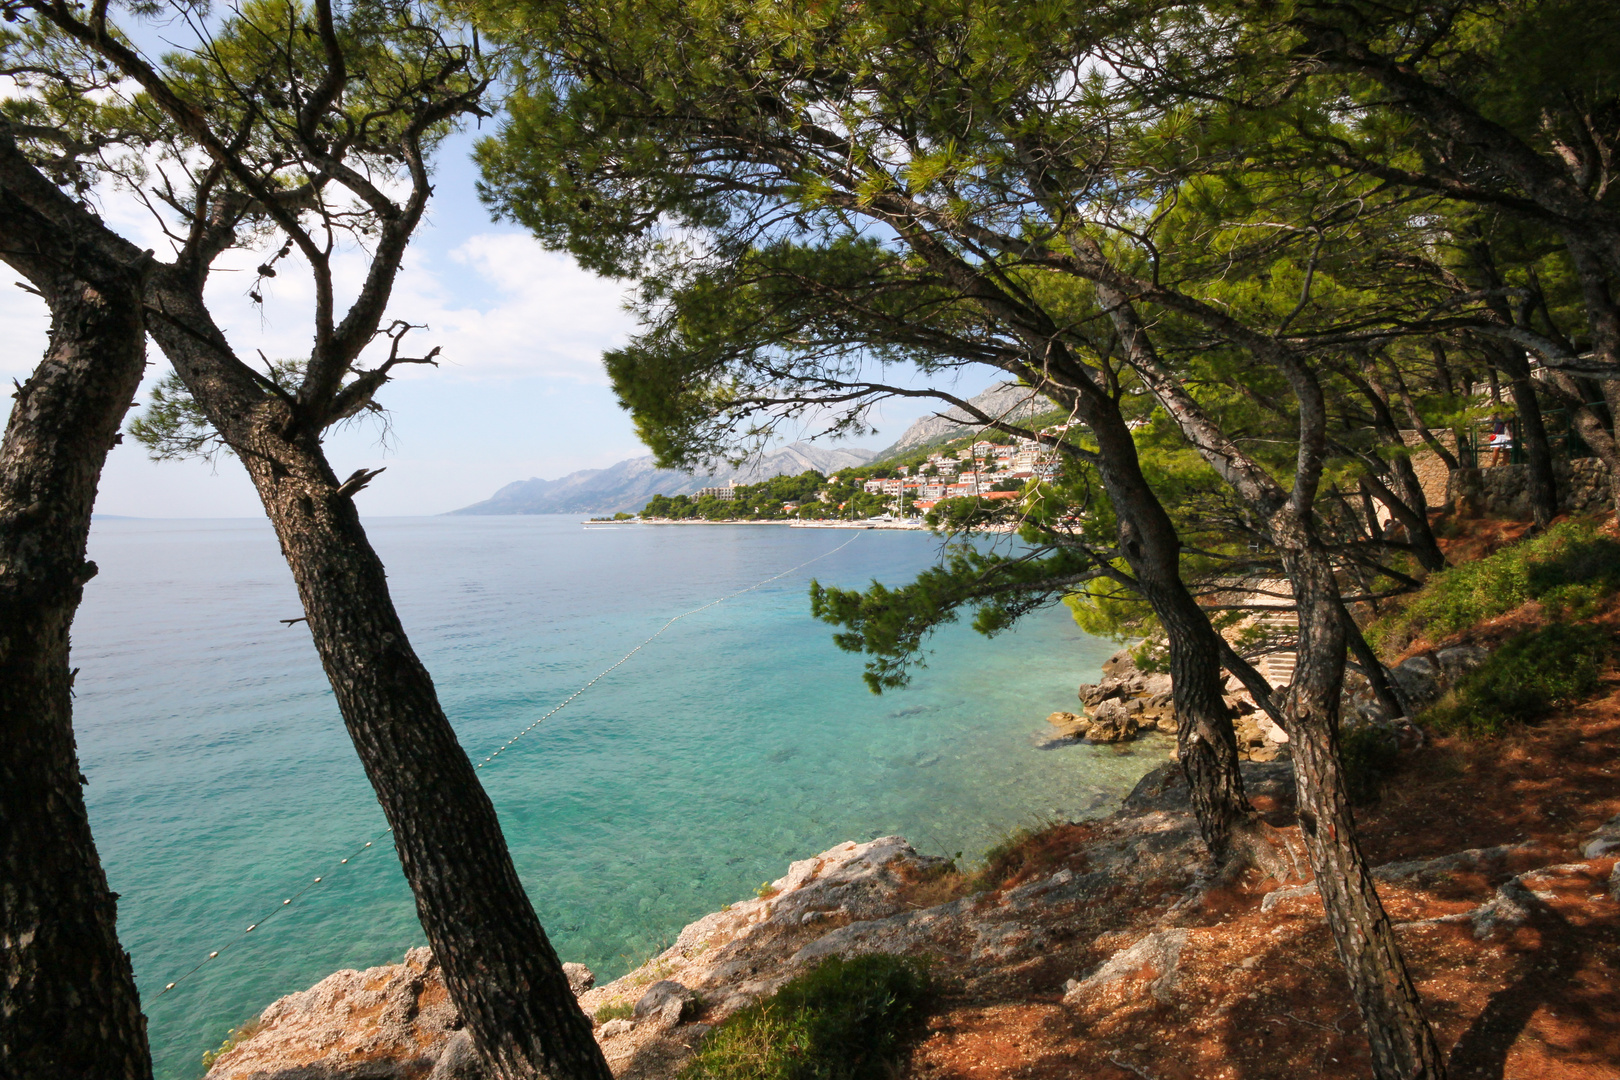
column 903, row 488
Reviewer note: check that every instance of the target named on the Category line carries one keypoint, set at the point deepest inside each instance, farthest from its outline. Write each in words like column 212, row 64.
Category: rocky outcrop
column 1151, row 964
column 383, row 1023
column 1125, row 703
column 1128, row 701
column 1605, row 841
column 1419, row 681
column 396, row 1023
column 1127, row 917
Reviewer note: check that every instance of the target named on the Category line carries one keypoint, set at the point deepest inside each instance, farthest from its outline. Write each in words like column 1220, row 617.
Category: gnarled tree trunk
column 1402, row 1042
column 499, row 967
column 68, row 1004
column 1205, row 741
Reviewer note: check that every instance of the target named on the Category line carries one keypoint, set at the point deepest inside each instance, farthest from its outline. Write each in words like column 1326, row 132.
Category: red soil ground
column 1262, row 995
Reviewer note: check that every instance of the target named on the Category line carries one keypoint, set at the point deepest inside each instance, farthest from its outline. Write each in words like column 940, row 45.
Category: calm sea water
column 222, row 781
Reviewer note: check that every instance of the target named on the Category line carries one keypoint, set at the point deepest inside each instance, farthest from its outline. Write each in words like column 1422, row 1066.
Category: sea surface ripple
column 221, row 779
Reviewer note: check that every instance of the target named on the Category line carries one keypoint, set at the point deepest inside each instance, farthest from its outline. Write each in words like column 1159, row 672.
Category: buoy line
column 288, row 902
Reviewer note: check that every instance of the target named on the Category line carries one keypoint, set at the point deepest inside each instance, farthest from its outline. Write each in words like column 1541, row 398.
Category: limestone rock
column 1513, row 905
column 1417, row 681
column 1164, row 790
column 1119, row 665
column 1112, row 722
column 458, row 1060
column 666, row 1002
column 394, row 1020
column 580, row 978
column 1271, row 729
column 1091, row 694
column 1605, row 841
column 1070, row 725
column 1152, row 963
column 1458, row 660
column 1157, row 684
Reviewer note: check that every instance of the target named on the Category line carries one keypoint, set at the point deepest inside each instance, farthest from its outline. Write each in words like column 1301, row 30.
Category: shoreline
column 863, row 524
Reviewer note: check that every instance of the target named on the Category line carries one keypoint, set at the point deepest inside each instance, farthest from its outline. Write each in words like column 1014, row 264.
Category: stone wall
column 1503, row 491
column 1430, row 468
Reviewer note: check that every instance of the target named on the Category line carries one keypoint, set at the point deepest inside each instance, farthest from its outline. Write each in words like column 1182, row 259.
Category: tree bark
column 1205, row 741
column 500, row 969
column 1543, row 483
column 1227, row 822
column 1403, row 1044
column 68, row 1003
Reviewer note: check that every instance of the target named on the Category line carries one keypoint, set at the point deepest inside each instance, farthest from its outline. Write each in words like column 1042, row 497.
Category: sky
column 520, row 391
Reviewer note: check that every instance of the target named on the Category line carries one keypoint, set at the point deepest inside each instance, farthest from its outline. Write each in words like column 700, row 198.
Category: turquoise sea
column 221, row 780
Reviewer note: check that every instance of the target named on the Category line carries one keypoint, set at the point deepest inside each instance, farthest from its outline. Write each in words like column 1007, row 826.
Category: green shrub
column 622, row 1011
column 844, row 1020
column 1532, row 673
column 1569, row 568
column 1367, row 754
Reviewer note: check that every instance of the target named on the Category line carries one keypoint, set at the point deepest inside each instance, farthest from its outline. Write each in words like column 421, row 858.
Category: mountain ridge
column 626, row 486
column 1007, row 400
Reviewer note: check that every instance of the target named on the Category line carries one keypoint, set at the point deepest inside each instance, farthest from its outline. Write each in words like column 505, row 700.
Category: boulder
column 1164, row 789
column 1092, row 696
column 666, row 1003
column 1458, row 660
column 1070, row 725
column 1270, row 728
column 620, row 1026
column 394, row 1020
column 1119, row 665
column 580, row 978
column 458, row 1060
column 1417, row 682
column 1158, row 711
column 1111, row 723
column 1239, row 704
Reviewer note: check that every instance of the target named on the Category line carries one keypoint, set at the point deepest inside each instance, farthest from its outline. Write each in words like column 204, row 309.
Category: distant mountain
column 628, row 485
column 1006, row 400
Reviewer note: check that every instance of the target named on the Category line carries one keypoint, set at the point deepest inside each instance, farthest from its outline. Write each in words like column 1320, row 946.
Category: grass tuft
column 624, row 1010
column 844, row 1020
column 1027, row 854
column 237, row 1037
column 1532, row 673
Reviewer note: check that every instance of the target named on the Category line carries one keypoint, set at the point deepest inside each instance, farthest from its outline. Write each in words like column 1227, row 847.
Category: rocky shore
column 1118, row 918
column 1128, row 702
column 1110, row 940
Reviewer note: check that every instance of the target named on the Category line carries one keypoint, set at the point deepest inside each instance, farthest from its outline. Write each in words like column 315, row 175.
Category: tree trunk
column 1403, row 1045
column 68, row 1003
column 502, row 974
column 1205, row 741
column 1543, row 484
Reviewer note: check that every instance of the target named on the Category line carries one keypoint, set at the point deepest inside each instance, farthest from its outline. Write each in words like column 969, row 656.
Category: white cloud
column 500, row 305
